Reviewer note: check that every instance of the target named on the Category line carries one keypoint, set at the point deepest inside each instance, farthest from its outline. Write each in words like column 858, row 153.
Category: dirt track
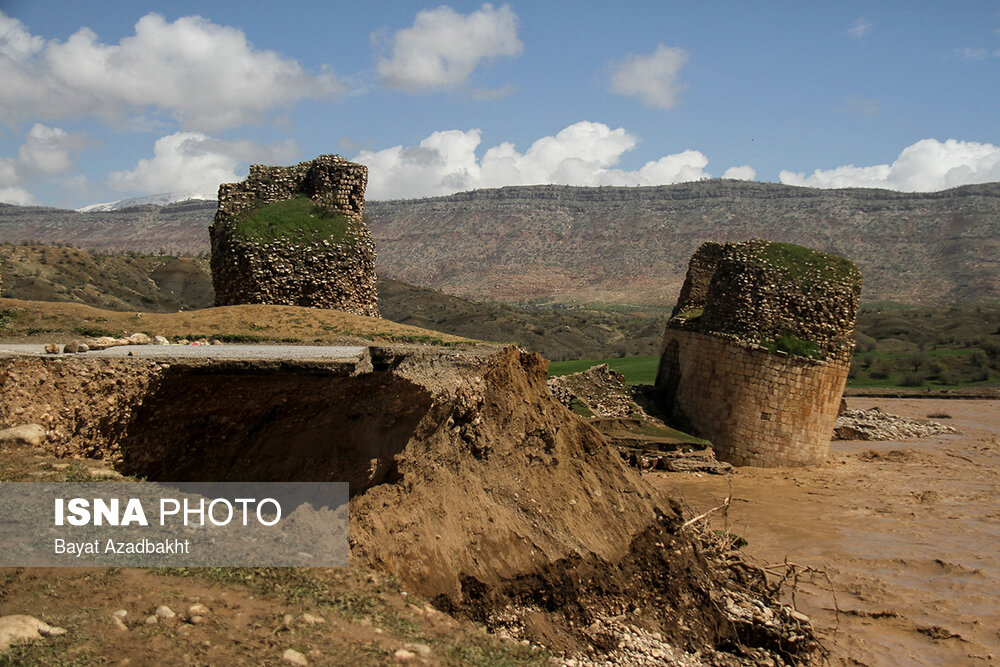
column 907, row 531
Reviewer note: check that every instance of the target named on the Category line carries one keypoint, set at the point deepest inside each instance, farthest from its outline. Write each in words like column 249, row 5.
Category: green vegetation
column 298, row 219
column 792, row 344
column 808, row 267
column 637, row 370
column 95, row 332
column 7, row 316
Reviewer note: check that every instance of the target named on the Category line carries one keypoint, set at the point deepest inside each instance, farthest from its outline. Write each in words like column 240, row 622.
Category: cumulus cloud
column 742, row 173
column 443, row 47
column 46, row 151
column 50, row 150
column 584, row 153
column 194, row 163
column 205, row 75
column 652, row 78
column 860, row 29
column 927, row 166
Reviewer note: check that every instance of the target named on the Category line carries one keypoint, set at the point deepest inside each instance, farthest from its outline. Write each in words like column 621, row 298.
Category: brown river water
column 897, row 543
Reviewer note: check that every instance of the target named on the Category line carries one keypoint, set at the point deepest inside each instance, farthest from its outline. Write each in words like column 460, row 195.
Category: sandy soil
column 903, row 536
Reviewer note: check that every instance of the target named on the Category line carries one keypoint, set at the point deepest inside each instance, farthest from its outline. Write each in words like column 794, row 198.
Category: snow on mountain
column 159, row 200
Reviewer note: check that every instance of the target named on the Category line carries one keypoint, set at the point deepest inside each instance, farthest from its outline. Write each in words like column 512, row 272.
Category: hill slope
column 611, row 244
column 631, row 245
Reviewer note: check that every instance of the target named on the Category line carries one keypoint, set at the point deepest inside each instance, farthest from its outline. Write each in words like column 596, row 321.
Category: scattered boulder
column 139, row 339
column 52, row 348
column 19, row 627
column 294, row 657
column 31, row 435
column 160, row 340
column 75, row 346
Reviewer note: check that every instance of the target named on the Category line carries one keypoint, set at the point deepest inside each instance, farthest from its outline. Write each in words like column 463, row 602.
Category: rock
column 402, row 655
column 139, row 339
column 52, row 348
column 74, row 347
column 160, row 340
column 27, row 434
column 101, row 343
column 121, row 613
column 183, row 341
column 423, row 650
column 198, row 609
column 152, row 620
column 20, row 627
column 119, row 623
column 165, row 613
column 216, row 341
column 287, row 620
column 294, row 657
column 312, row 620
column 196, row 620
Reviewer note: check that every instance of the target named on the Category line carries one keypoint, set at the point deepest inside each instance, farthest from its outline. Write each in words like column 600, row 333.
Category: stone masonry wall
column 288, row 271
column 725, row 368
column 746, row 296
column 757, row 408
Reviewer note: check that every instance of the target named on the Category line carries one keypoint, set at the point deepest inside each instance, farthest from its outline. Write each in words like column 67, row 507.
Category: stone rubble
column 875, row 424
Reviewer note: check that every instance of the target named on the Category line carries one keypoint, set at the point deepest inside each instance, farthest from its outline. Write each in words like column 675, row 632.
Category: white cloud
column 206, row 75
column 742, row 173
column 927, row 166
column 652, row 78
column 49, row 150
column 972, row 54
column 46, row 151
column 443, row 47
column 582, row 154
column 860, row 29
column 194, row 163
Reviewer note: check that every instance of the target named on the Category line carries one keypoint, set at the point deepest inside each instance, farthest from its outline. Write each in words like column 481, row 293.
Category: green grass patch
column 637, row 370
column 580, row 408
column 793, row 345
column 296, row 219
column 7, row 317
column 807, row 266
column 95, row 332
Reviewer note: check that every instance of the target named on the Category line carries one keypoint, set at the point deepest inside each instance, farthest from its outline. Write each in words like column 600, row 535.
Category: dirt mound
column 470, row 483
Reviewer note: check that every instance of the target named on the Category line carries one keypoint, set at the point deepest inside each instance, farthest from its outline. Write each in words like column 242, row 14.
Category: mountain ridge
column 611, row 244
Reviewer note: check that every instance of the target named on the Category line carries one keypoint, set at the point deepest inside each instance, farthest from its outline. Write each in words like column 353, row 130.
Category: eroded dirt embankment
column 469, row 482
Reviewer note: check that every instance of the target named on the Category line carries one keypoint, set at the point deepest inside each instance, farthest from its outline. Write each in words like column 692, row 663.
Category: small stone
column 152, row 620
column 422, row 650
column 72, row 348
column 139, row 339
column 160, row 340
column 294, row 657
column 166, row 613
column 121, row 613
column 196, row 620
column 19, row 626
column 26, row 434
column 119, row 623
column 312, row 620
column 52, row 348
column 198, row 609
column 402, row 655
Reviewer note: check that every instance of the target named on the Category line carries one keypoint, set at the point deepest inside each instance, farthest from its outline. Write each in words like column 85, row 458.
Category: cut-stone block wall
column 320, row 273
column 758, row 408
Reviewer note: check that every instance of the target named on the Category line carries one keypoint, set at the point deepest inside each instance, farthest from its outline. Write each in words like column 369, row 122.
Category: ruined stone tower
column 756, row 353
column 296, row 236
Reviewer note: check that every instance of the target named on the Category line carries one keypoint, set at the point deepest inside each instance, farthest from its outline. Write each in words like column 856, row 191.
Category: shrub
column 912, row 379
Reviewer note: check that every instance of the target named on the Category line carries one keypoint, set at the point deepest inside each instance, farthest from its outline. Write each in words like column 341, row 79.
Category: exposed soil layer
column 472, row 483
column 906, row 531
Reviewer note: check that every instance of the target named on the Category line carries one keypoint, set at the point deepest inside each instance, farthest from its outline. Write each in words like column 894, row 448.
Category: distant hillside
column 167, row 284
column 631, row 245
column 612, row 244
column 175, row 229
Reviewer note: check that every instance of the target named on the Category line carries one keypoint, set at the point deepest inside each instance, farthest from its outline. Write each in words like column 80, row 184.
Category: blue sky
column 102, row 101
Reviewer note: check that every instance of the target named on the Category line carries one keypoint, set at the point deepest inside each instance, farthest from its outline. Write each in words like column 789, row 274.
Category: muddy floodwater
column 897, row 543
